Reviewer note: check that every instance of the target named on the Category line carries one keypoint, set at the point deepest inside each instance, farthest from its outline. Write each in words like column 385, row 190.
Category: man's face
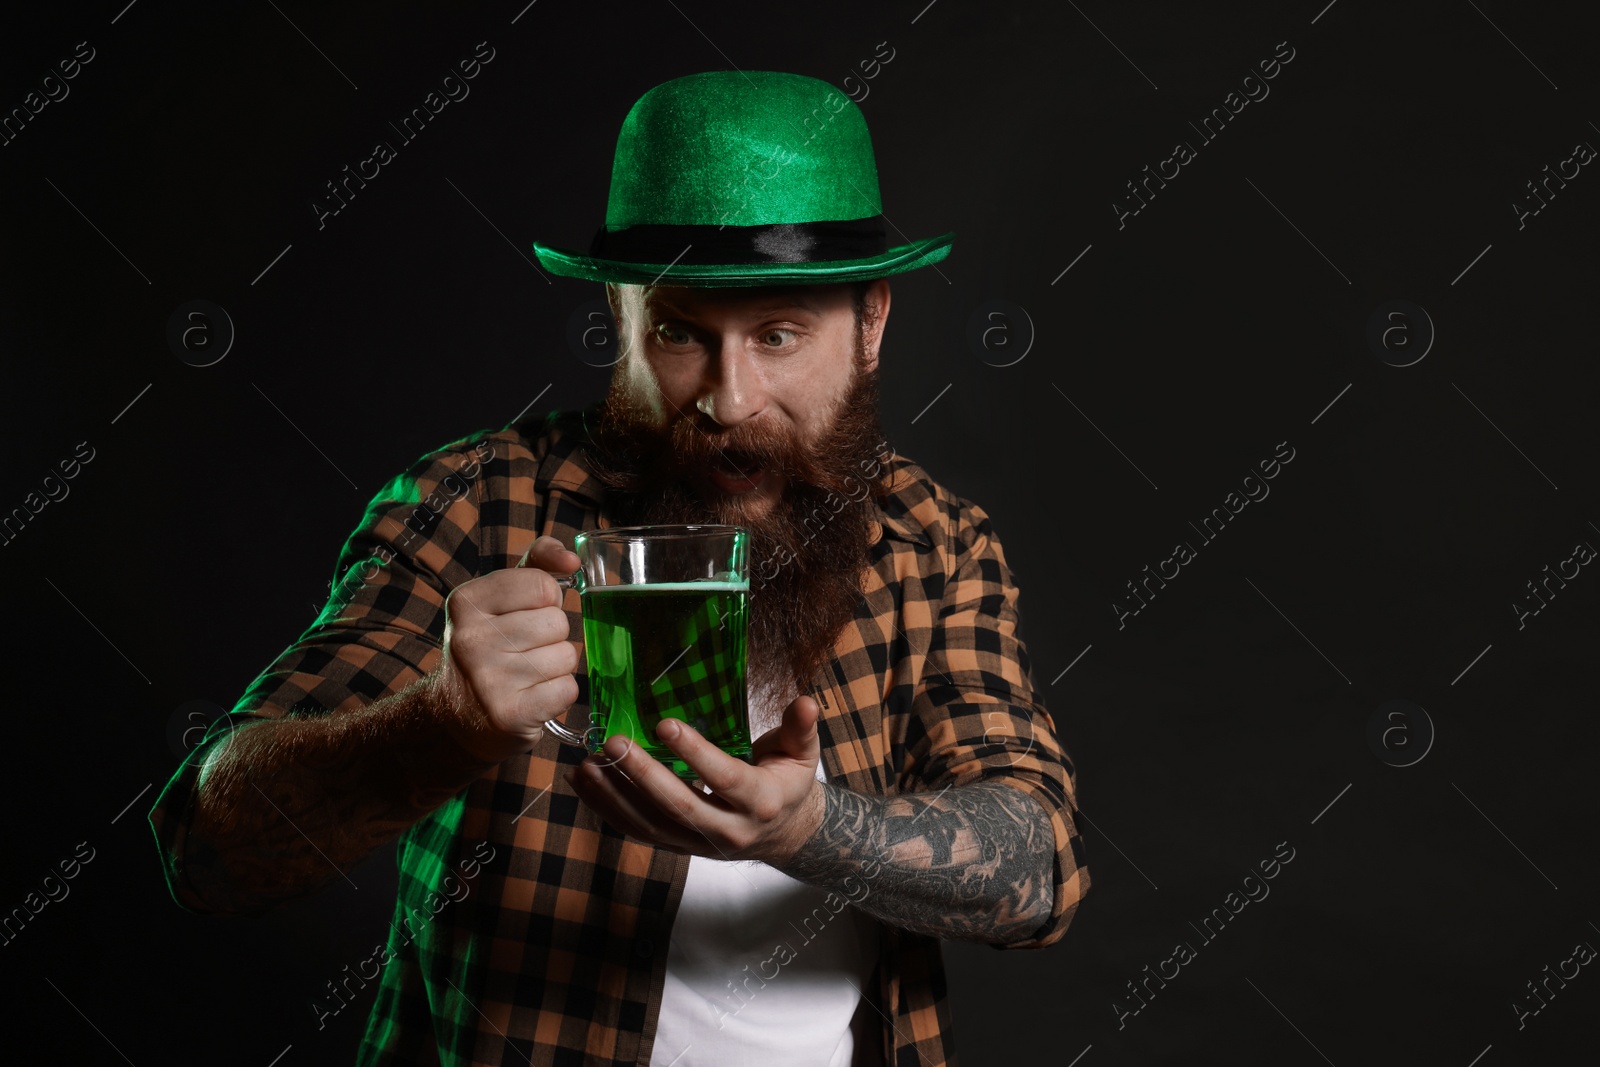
column 759, row 374
column 754, row 408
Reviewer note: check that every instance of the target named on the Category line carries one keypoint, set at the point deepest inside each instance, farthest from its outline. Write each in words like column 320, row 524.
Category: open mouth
column 737, row 472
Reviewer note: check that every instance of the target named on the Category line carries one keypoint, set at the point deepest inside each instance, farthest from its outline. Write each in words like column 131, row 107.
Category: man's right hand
column 508, row 666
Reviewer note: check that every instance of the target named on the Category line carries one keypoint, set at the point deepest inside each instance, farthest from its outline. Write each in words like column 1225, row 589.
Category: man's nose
column 733, row 390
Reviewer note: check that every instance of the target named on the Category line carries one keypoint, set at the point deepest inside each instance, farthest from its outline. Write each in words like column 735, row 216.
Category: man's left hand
column 761, row 810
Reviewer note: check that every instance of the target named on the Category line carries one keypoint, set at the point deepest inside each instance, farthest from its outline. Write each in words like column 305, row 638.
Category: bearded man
column 564, row 907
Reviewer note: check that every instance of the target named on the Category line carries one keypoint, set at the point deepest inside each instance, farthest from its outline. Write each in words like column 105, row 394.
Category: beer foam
column 673, row 587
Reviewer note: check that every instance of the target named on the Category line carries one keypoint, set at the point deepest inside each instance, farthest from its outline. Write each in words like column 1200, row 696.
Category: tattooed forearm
column 972, row 863
column 285, row 807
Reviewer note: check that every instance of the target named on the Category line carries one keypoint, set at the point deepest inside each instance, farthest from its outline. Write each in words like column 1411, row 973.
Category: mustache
column 632, row 453
column 696, row 442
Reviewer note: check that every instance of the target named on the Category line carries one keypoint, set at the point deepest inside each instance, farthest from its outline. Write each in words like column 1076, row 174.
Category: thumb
column 549, row 554
column 797, row 734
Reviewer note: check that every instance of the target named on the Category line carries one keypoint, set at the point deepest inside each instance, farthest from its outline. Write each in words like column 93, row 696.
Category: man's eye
column 673, row 335
column 776, row 338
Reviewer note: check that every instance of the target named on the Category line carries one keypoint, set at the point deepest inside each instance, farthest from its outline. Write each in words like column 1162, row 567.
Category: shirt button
column 644, row 948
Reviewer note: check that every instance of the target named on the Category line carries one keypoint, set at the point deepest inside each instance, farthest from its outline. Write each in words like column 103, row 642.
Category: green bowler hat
column 743, row 178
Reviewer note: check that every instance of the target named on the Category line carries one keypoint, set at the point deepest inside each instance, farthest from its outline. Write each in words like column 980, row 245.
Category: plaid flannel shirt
column 527, row 930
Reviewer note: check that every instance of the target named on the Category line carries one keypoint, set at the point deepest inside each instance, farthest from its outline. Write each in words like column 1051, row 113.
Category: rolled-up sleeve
column 977, row 709
column 380, row 630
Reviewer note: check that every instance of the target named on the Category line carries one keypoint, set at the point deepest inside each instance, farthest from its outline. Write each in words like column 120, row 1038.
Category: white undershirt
column 762, row 969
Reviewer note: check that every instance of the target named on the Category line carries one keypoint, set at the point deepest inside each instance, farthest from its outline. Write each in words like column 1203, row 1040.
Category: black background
column 1229, row 715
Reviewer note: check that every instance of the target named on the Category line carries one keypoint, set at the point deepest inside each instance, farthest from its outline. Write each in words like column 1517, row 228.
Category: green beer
column 668, row 650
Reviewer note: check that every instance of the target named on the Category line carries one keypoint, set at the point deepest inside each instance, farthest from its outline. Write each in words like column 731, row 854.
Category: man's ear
column 874, row 317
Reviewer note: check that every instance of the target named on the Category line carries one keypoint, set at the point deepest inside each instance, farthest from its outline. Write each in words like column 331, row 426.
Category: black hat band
column 800, row 242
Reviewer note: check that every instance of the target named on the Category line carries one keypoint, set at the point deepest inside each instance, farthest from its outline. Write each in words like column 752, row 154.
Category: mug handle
column 562, row 732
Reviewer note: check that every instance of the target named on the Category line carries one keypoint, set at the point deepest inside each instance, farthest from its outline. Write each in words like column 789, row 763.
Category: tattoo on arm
column 973, row 863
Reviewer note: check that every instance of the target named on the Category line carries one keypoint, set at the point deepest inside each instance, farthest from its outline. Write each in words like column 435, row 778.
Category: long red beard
column 822, row 520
